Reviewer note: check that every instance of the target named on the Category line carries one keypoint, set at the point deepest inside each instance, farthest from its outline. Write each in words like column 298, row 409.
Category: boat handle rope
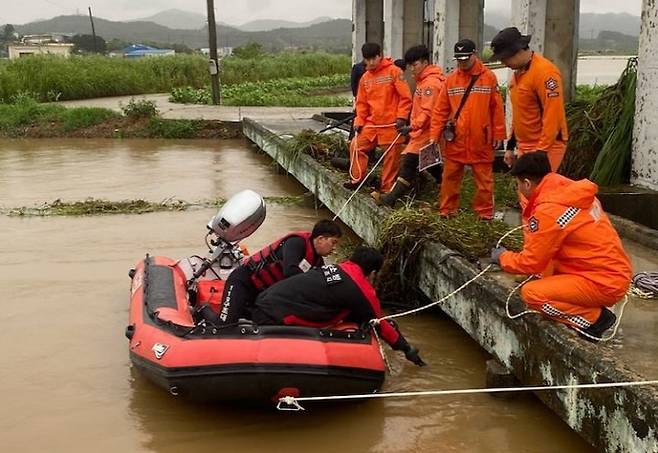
column 292, row 403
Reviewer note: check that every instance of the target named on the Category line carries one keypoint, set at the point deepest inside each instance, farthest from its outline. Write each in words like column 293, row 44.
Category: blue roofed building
column 142, row 50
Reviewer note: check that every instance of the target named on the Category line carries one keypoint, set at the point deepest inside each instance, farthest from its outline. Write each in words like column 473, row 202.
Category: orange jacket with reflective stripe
column 428, row 87
column 481, row 120
column 538, row 117
column 566, row 225
column 383, row 96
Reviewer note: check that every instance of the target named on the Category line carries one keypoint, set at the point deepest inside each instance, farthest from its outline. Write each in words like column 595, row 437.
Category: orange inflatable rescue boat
column 191, row 358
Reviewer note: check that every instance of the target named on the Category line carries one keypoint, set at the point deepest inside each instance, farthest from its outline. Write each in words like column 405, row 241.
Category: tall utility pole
column 213, row 63
column 93, row 30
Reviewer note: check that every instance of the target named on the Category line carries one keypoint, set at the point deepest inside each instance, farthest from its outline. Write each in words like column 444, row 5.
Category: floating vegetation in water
column 93, row 206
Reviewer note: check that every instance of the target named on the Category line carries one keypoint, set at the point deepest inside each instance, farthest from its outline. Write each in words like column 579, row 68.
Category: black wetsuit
column 320, row 297
column 240, row 291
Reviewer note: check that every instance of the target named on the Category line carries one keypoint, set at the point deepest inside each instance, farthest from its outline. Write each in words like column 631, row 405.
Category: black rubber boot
column 372, row 158
column 436, row 172
column 341, row 163
column 606, row 320
column 400, row 189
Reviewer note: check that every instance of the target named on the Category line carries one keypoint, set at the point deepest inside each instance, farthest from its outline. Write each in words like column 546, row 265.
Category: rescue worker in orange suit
column 537, row 98
column 469, row 117
column 429, row 81
column 330, row 294
column 293, row 254
column 567, row 228
column 383, row 104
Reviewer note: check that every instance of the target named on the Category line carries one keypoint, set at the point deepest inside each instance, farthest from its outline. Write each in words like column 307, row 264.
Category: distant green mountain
column 334, row 35
column 610, row 42
column 269, row 24
column 589, row 24
column 177, row 19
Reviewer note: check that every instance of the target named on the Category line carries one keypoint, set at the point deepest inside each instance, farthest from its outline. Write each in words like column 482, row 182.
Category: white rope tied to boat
column 292, row 403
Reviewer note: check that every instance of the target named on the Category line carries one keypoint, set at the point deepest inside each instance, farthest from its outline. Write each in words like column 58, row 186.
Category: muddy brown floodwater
column 67, row 382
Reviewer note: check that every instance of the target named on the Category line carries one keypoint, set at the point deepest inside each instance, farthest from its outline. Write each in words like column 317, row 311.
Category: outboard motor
column 240, row 216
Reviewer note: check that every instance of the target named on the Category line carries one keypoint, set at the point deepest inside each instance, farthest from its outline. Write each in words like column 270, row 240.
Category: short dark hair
column 417, row 53
column 327, row 228
column 368, row 259
column 533, row 166
column 371, row 50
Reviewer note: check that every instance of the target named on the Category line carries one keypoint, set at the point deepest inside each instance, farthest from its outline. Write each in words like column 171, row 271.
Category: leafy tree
column 85, row 43
column 251, row 50
column 8, row 33
column 116, row 44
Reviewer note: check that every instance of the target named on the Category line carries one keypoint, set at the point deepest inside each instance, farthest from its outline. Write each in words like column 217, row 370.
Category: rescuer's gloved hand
column 410, row 352
column 400, row 123
column 412, row 355
column 405, row 130
column 495, row 254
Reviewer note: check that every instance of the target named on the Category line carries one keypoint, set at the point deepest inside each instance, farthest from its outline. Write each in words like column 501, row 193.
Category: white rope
column 381, row 349
column 366, row 178
column 354, row 150
column 293, row 402
column 448, row 296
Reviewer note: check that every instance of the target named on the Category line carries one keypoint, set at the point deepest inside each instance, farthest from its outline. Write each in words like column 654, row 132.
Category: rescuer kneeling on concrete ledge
column 567, row 228
column 329, row 294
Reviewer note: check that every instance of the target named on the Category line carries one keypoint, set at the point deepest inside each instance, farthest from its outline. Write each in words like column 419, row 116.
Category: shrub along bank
column 140, row 119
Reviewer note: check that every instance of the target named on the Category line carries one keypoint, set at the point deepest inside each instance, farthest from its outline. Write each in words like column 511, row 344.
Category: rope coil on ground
column 645, row 285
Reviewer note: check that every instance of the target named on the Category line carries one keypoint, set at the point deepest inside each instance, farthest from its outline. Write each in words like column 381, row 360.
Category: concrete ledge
column 537, row 351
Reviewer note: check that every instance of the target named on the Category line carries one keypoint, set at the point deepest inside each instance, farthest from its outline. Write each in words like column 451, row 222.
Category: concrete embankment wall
column 537, row 351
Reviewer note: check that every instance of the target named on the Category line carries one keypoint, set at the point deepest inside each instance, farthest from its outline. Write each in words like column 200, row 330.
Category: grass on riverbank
column 29, row 119
column 51, row 78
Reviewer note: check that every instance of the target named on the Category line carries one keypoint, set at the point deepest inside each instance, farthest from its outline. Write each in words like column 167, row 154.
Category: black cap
column 464, row 49
column 534, row 165
column 508, row 42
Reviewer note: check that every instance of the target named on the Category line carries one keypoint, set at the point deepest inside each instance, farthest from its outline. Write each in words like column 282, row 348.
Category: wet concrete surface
column 67, row 379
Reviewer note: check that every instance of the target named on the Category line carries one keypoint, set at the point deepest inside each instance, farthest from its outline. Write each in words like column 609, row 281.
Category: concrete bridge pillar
column 367, row 24
column 553, row 25
column 455, row 20
column 405, row 25
column 644, row 166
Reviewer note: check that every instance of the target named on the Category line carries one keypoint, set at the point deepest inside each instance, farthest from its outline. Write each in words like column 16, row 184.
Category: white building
column 22, row 50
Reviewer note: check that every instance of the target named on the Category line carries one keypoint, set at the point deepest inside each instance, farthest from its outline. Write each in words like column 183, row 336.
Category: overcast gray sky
column 231, row 11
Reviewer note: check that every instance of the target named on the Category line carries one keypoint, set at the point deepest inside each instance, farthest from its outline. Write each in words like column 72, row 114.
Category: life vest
column 266, row 264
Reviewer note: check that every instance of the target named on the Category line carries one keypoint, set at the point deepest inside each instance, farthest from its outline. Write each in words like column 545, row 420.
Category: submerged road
column 171, row 110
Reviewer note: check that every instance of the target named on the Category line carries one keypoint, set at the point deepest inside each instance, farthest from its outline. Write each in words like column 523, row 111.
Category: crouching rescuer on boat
column 571, row 242
column 330, row 294
column 295, row 253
